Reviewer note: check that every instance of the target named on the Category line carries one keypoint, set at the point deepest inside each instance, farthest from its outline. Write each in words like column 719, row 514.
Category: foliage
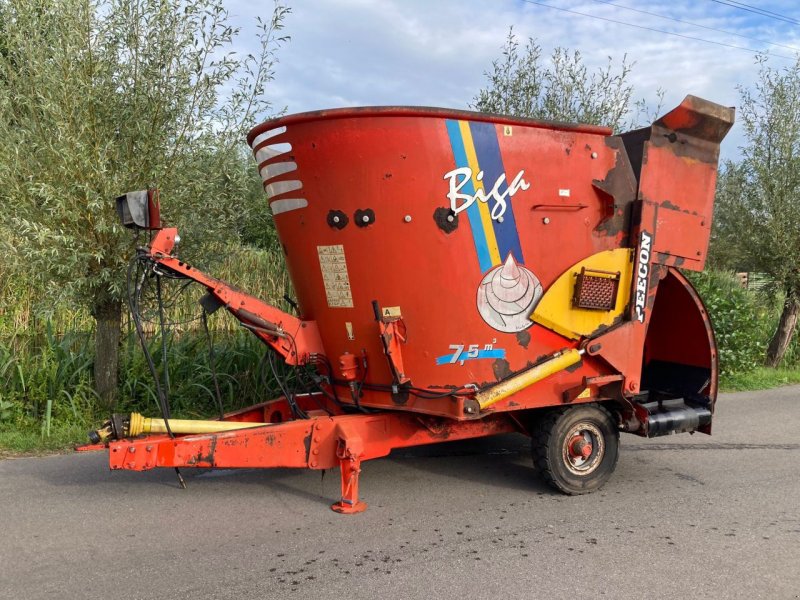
column 46, row 379
column 741, row 320
column 725, row 250
column 106, row 96
column 237, row 361
column 99, row 97
column 48, row 389
column 261, row 272
column 52, row 364
column 6, row 410
column 26, row 438
column 758, row 213
column 758, row 216
column 520, row 84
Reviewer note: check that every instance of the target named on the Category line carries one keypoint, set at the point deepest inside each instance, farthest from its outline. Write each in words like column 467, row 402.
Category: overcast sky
column 435, row 52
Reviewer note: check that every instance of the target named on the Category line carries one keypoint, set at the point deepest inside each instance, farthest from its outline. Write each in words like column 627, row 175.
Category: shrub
column 741, row 320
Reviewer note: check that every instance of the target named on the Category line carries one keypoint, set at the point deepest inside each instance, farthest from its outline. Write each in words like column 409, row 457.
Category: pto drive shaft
column 123, row 426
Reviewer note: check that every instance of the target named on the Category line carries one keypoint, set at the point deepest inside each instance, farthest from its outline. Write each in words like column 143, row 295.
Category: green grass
column 29, row 441
column 762, row 378
column 47, row 404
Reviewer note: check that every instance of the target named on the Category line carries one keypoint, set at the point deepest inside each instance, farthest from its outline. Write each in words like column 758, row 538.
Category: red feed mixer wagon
column 460, row 275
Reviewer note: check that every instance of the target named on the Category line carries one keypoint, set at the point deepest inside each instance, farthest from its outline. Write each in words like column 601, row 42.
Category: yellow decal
column 556, row 311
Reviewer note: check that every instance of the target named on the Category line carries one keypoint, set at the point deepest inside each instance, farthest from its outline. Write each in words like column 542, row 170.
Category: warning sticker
column 334, row 274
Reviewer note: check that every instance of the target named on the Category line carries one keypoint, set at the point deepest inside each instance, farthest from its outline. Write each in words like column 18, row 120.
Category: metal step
column 674, row 416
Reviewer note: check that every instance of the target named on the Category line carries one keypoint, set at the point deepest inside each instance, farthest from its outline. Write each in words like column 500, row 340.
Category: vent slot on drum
column 265, row 153
column 272, row 168
column 263, row 137
column 283, row 187
column 595, row 289
column 277, row 169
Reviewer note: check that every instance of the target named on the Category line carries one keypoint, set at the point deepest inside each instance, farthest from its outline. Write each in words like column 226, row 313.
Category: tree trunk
column 108, row 319
column 783, row 336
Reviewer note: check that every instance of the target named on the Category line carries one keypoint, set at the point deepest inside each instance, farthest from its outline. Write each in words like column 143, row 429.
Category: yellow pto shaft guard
column 139, row 424
column 122, row 426
column 558, row 362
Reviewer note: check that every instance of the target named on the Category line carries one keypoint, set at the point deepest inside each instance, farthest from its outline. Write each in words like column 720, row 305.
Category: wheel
column 575, row 450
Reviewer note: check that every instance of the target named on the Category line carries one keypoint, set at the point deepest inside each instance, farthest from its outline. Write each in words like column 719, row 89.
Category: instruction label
column 333, row 265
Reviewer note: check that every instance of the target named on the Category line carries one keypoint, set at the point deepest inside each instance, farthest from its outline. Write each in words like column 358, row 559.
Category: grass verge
column 30, row 441
column 762, row 378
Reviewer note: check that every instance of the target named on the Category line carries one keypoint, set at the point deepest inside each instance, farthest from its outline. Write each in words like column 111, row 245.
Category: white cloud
column 434, row 52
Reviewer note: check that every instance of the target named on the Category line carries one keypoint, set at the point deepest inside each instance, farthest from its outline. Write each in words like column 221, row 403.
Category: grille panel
column 596, row 290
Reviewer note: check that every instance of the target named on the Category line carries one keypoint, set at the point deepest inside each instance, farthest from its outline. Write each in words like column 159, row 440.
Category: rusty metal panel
column 675, row 161
column 682, row 234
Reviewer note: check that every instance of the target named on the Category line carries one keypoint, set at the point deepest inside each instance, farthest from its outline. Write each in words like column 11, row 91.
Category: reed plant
column 46, row 356
column 44, row 380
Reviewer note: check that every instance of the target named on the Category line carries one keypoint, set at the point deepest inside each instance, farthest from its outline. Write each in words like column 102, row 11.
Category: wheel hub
column 579, row 447
column 583, row 448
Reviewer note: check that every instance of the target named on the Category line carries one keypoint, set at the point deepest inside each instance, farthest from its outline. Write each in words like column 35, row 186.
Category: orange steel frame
column 330, row 437
column 320, row 442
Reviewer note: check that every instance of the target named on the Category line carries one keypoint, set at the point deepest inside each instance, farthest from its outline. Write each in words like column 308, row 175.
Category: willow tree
column 758, row 202
column 523, row 83
column 100, row 97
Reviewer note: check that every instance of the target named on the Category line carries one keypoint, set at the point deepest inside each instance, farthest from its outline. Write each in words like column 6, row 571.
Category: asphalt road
column 683, row 517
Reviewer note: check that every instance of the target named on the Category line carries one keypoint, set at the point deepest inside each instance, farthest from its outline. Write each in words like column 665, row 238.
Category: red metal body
column 588, row 191
column 392, row 161
column 396, row 223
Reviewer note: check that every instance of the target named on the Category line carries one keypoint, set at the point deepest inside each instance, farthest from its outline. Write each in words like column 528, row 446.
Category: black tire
column 560, row 441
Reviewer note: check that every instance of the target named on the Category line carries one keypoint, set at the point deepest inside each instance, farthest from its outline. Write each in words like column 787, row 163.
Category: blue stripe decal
column 462, row 356
column 473, row 212
column 487, row 148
